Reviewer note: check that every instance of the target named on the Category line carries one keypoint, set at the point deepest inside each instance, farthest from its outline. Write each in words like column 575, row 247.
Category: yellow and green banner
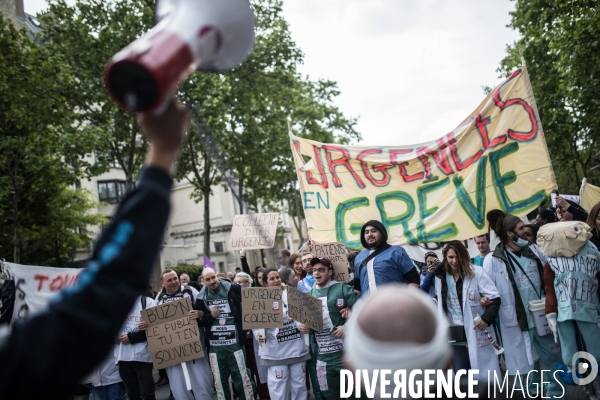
column 435, row 191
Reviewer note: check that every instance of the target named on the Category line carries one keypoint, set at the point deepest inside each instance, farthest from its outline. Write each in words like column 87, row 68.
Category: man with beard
column 380, row 263
column 199, row 370
column 221, row 300
column 336, row 299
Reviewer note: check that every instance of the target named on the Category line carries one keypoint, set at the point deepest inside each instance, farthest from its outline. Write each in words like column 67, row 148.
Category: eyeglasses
column 306, row 261
column 321, row 270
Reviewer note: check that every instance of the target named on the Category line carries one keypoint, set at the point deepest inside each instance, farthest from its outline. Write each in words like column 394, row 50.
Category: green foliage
column 562, row 51
column 247, row 112
column 39, row 137
column 87, row 35
column 194, row 271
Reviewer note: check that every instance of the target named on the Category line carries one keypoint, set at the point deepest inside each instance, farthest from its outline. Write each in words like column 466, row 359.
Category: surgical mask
column 520, row 241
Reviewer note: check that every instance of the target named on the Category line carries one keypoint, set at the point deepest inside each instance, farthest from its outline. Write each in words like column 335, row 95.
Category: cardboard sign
column 262, row 307
column 336, row 253
column 305, row 309
column 253, row 231
column 172, row 337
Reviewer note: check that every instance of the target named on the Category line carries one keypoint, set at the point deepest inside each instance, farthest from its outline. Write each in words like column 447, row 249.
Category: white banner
column 36, row 285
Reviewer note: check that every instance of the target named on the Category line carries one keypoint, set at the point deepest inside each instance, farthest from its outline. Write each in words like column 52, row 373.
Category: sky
column 409, row 70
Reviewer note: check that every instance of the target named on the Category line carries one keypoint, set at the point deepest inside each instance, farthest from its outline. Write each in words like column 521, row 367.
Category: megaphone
column 208, row 35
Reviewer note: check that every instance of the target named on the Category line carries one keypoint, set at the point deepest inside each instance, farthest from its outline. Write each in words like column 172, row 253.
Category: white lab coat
column 137, row 351
column 518, row 350
column 482, row 358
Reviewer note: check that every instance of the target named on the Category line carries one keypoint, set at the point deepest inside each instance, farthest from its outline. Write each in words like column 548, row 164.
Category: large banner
column 435, row 191
column 35, row 286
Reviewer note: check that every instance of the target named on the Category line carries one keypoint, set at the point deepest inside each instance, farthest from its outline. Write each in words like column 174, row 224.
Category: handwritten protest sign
column 262, row 307
column 305, row 309
column 172, row 337
column 35, row 286
column 435, row 191
column 253, row 231
column 336, row 253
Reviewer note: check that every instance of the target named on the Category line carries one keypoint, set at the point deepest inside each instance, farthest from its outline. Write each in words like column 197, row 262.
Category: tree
column 88, row 34
column 40, row 138
column 559, row 40
column 63, row 228
column 246, row 112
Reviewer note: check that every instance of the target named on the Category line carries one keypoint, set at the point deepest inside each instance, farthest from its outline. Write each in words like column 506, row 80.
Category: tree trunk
column 206, row 197
column 240, row 198
column 16, row 231
column 16, row 240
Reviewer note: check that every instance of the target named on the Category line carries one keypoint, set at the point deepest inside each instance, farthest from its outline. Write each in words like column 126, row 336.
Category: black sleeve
column 412, row 276
column 356, row 283
column 579, row 214
column 245, row 266
column 57, row 348
column 207, row 319
column 137, row 337
column 491, row 311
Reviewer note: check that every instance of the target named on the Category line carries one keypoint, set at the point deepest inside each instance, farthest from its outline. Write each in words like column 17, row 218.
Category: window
column 221, row 266
column 219, row 247
column 111, row 192
column 76, row 185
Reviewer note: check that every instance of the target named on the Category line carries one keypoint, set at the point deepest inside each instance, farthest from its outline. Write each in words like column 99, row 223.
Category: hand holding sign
column 305, row 309
column 172, row 336
column 262, row 307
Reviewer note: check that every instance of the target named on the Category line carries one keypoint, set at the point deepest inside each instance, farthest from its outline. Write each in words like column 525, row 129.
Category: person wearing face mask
column 459, row 287
column 516, row 268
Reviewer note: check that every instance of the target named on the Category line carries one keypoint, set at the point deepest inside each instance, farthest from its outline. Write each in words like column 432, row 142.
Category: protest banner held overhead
column 253, row 231
column 262, row 307
column 436, row 191
column 336, row 253
column 305, row 309
column 173, row 338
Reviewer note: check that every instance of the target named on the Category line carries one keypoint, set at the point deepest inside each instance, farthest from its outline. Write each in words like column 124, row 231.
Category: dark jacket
column 47, row 355
column 234, row 297
column 579, row 214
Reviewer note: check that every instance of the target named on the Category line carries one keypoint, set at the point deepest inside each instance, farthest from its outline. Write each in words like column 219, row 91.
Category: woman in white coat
column 285, row 352
column 459, row 287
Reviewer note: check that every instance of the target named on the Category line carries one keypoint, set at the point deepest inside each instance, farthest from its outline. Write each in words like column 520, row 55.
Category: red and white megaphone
column 209, row 35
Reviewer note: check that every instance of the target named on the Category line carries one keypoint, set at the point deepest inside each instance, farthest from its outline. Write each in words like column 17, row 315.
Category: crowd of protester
column 453, row 312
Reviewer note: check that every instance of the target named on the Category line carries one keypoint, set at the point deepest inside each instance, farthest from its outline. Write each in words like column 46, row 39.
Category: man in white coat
column 199, row 370
column 517, row 271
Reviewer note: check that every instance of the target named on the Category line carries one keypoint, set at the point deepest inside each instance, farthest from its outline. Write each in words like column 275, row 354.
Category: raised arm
column 52, row 351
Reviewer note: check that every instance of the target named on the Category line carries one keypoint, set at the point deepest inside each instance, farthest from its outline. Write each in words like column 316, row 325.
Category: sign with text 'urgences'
column 435, row 191
column 253, row 231
column 262, row 307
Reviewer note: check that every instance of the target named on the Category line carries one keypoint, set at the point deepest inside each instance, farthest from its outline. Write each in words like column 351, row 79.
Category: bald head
column 397, row 327
column 396, row 315
column 210, row 279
